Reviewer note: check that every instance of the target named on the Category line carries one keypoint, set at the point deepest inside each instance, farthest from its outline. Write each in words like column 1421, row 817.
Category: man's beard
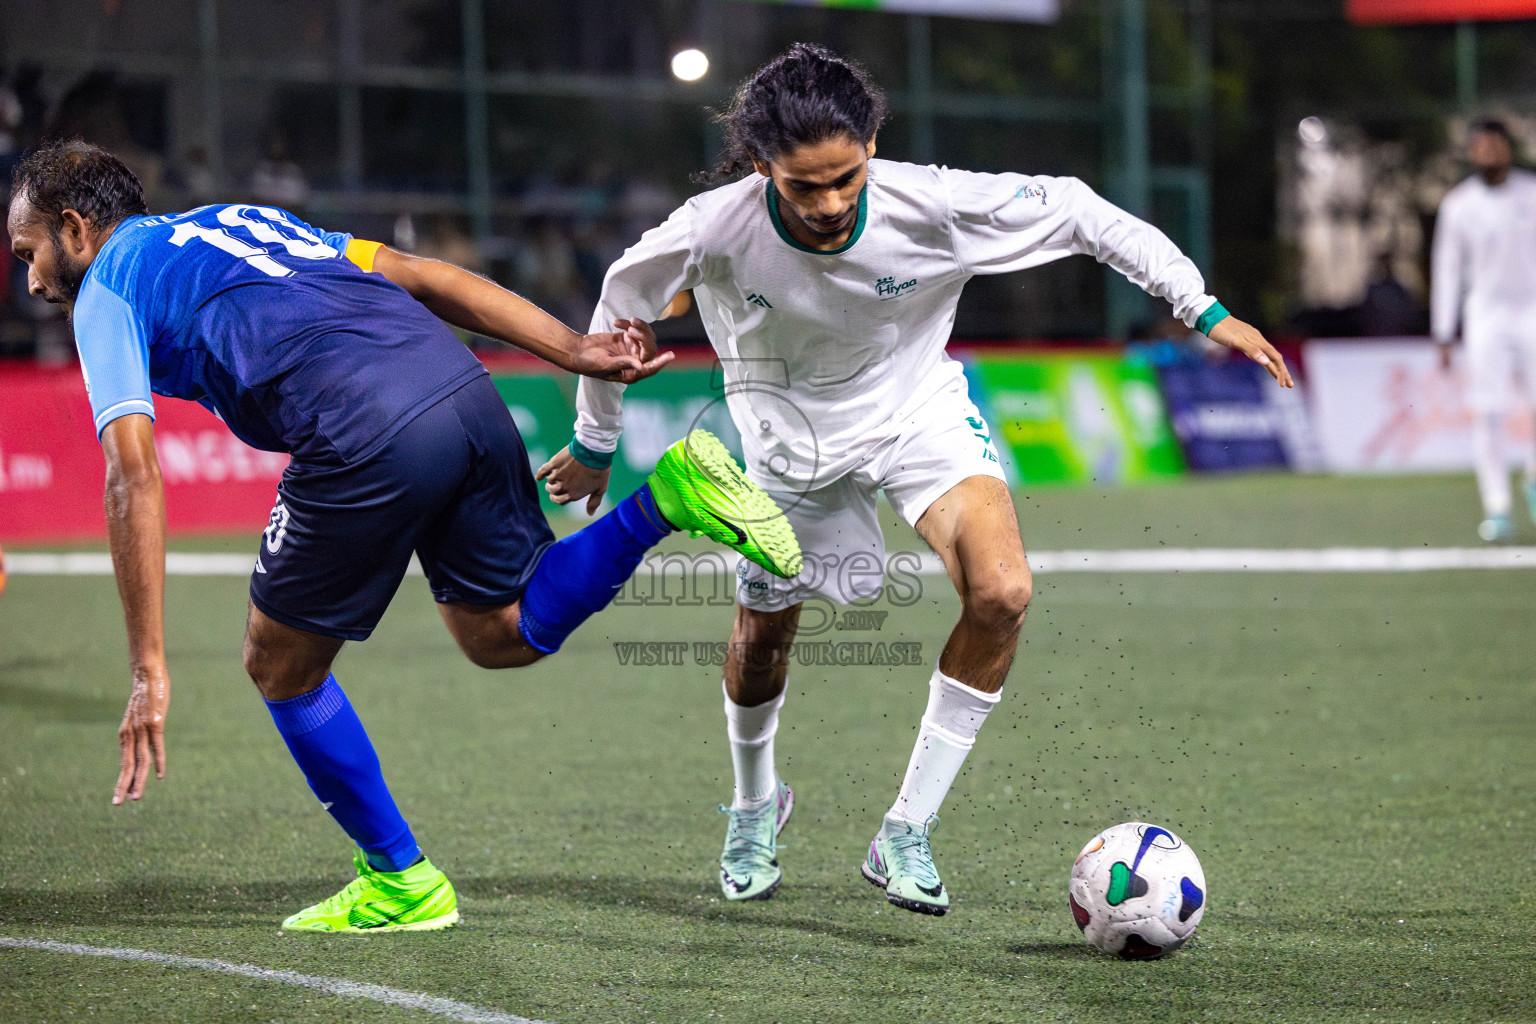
column 71, row 274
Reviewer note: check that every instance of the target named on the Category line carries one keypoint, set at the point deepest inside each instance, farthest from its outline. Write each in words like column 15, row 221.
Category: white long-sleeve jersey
column 823, row 351
column 1484, row 257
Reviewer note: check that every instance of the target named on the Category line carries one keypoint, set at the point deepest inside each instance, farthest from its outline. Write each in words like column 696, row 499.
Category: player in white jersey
column 827, row 282
column 1485, row 285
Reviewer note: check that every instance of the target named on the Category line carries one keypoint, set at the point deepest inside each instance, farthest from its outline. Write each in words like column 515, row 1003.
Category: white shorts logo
column 277, row 527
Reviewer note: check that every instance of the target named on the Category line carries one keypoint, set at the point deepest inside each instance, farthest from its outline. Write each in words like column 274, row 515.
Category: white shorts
column 942, row 443
column 1501, row 364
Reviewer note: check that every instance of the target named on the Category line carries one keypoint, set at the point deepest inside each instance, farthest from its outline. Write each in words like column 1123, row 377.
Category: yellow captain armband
column 363, row 253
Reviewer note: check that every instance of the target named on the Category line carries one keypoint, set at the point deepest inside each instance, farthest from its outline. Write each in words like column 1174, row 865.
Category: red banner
column 51, row 467
column 1410, row 12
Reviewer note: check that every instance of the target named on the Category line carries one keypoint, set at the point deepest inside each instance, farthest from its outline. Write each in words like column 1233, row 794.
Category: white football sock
column 1530, row 455
column 954, row 716
column 1488, row 458
column 751, row 731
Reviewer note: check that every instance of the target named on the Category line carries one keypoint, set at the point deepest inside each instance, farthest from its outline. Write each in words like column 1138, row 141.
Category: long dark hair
column 805, row 95
column 75, row 175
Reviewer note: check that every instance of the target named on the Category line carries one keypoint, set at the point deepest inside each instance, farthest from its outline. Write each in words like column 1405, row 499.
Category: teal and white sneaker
column 1496, row 529
column 749, row 864
column 901, row 862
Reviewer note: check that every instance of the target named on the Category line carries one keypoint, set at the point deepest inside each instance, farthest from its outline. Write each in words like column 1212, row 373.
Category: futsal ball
column 1137, row 891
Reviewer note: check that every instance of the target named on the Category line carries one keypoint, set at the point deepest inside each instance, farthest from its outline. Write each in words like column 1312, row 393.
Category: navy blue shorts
column 453, row 485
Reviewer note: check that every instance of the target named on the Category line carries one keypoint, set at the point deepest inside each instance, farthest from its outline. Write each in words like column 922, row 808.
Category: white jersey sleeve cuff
column 121, row 409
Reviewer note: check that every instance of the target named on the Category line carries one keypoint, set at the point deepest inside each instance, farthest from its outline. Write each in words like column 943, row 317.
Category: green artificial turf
column 1350, row 755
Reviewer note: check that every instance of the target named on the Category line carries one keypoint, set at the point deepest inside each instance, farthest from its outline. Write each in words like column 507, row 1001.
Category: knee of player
column 258, row 665
column 1000, row 602
column 502, row 656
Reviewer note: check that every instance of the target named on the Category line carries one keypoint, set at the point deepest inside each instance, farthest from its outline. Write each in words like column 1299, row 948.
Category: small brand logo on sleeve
column 1031, row 191
column 758, row 300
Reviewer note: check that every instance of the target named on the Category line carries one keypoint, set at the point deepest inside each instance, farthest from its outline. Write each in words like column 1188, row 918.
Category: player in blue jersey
column 327, row 347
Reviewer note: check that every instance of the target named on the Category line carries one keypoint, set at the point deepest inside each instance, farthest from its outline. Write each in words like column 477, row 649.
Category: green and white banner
column 1063, row 417
column 657, row 412
column 1076, row 417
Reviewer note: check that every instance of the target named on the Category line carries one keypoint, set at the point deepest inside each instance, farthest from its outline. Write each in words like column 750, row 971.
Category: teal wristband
column 1213, row 315
column 590, row 458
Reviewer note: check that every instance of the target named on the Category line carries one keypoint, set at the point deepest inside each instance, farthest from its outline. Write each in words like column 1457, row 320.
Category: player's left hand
column 625, row 356
column 1246, row 339
column 142, row 734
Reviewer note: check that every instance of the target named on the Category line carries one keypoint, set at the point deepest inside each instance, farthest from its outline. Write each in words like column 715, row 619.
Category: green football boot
column 418, row 899
column 901, row 862
column 699, row 488
column 749, row 864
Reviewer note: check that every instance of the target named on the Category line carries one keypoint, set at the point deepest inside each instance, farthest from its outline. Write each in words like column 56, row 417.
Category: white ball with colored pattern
column 1137, row 891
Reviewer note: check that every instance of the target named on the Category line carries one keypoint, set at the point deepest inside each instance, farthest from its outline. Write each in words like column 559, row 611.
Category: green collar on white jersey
column 778, row 224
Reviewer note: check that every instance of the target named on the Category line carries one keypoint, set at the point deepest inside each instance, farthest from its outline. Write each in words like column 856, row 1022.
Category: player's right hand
column 1246, row 339
column 623, row 357
column 566, row 479
column 142, row 734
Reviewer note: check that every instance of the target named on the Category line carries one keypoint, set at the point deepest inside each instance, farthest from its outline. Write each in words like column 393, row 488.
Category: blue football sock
column 579, row 575
column 327, row 739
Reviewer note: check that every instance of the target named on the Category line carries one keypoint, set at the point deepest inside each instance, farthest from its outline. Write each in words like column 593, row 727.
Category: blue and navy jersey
column 262, row 319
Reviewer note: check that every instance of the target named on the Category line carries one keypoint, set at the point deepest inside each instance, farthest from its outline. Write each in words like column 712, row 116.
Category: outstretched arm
column 1006, row 222
column 135, row 507
column 1447, row 279
column 648, row 280
column 471, row 302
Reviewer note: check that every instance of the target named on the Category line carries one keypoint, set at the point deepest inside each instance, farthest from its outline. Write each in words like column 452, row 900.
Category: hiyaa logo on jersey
column 1031, row 191
column 887, row 288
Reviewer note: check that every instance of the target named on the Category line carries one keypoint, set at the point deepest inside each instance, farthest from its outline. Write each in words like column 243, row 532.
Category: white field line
column 97, row 563
column 1134, row 560
column 449, row 1008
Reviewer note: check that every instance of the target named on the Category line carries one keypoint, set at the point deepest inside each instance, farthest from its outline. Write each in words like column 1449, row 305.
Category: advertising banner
column 1410, row 12
column 52, row 471
column 657, row 412
column 1044, row 11
column 1076, row 417
column 1230, row 416
column 1057, row 417
column 1387, row 407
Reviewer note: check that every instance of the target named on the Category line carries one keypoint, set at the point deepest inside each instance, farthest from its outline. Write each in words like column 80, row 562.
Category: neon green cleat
column 699, row 488
column 900, row 861
column 418, row 899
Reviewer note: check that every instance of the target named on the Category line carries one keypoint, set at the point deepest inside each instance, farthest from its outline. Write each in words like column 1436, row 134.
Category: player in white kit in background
column 1484, row 284
column 827, row 282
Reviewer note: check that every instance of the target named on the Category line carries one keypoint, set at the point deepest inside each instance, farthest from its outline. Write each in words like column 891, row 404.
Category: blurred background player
column 828, row 282
column 399, row 444
column 1484, row 289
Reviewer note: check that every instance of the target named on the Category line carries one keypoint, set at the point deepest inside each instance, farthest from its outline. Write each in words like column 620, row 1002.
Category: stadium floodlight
column 690, row 65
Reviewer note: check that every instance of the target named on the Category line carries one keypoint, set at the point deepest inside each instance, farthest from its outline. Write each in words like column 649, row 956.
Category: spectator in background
column 1389, row 309
column 277, row 180
column 448, row 240
column 95, row 110
column 1484, row 289
column 10, row 126
column 5, row 268
column 197, row 176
